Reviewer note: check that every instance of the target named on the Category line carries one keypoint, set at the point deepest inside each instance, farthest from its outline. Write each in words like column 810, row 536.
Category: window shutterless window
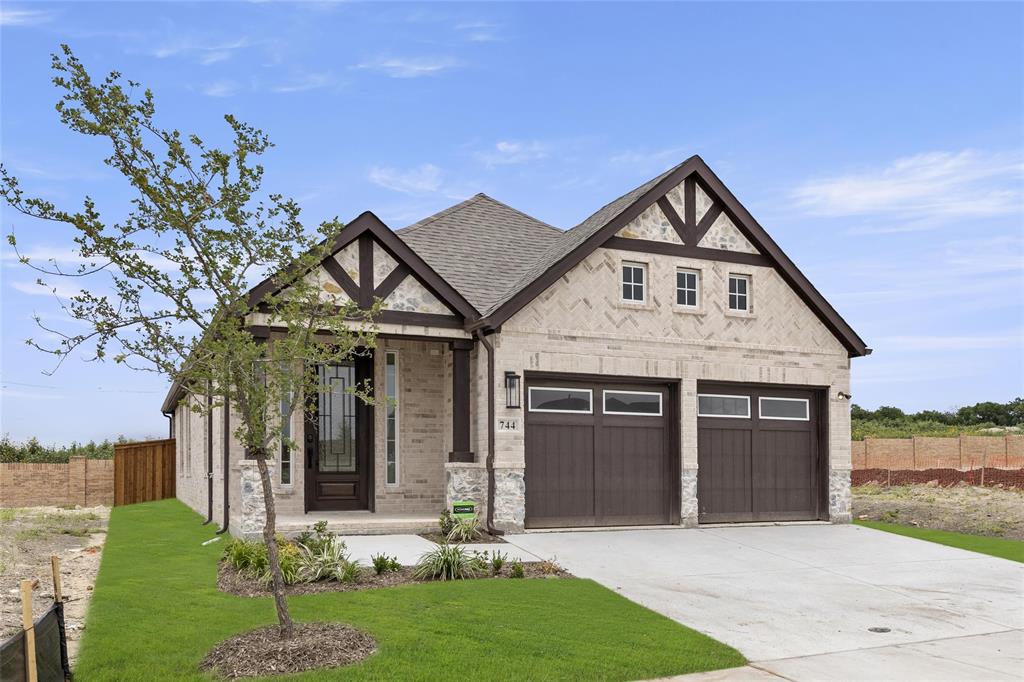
column 634, row 281
column 391, row 395
column 791, row 409
column 715, row 405
column 687, row 288
column 286, row 436
column 544, row 399
column 632, row 403
column 739, row 293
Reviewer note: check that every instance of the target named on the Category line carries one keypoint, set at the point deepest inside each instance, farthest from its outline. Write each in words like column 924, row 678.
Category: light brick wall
column 424, row 421
column 82, row 482
column 579, row 325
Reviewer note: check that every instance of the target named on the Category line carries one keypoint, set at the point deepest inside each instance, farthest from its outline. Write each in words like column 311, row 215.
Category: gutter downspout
column 209, row 454
column 490, row 432
column 227, row 457
column 170, row 423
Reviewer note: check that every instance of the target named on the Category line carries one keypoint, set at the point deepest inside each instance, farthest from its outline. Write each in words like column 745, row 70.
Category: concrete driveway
column 800, row 601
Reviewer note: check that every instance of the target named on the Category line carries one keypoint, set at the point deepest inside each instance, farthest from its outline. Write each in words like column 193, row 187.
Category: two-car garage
column 605, row 452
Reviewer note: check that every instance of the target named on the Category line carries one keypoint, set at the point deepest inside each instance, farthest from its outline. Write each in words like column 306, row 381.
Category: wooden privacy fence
column 143, row 471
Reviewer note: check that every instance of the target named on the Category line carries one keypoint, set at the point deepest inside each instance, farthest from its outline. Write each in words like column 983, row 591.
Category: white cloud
column 15, row 16
column 408, row 67
column 220, row 89
column 69, row 259
column 478, row 31
column 424, row 179
column 309, row 81
column 658, row 159
column 35, row 289
column 925, row 190
column 204, row 52
column 508, row 152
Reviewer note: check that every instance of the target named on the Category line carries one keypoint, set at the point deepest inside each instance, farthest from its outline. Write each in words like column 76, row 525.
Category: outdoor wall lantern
column 512, row 390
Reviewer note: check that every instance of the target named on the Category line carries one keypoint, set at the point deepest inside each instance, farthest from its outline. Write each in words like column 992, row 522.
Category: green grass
column 997, row 547
column 156, row 612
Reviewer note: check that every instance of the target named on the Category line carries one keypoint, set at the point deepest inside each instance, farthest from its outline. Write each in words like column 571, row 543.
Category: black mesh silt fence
column 51, row 651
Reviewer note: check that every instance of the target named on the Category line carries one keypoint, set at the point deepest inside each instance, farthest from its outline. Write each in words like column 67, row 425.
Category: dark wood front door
column 599, row 453
column 339, row 441
column 759, row 453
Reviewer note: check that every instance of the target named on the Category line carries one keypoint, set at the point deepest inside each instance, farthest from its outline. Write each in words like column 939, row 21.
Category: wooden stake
column 55, row 567
column 30, row 632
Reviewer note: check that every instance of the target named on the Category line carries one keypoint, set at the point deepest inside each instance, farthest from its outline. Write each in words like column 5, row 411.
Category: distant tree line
column 34, row 451
column 892, row 422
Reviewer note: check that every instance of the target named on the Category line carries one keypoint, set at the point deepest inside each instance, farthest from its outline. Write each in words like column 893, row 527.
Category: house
column 663, row 362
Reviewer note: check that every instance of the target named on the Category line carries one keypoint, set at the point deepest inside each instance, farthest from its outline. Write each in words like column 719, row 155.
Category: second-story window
column 739, row 293
column 634, row 281
column 687, row 288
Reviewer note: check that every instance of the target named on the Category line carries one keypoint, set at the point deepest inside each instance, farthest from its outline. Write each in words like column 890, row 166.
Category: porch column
column 460, row 402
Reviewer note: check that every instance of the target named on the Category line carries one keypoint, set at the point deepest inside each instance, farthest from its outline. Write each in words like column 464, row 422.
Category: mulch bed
column 485, row 538
column 231, row 581
column 1009, row 478
column 313, row 646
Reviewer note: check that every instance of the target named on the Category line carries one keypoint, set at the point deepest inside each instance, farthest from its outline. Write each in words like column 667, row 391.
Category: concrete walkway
column 800, row 602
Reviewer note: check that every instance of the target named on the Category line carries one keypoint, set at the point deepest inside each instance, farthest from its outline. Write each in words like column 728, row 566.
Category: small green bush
column 382, row 563
column 246, row 556
column 498, row 560
column 447, row 562
column 447, row 522
column 464, row 530
column 322, row 561
column 516, row 570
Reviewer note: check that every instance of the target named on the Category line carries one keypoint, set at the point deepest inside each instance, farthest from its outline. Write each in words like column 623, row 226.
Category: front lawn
column 157, row 611
column 997, row 547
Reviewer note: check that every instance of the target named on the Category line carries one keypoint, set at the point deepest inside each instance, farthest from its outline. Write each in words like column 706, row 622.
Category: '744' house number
column 508, row 425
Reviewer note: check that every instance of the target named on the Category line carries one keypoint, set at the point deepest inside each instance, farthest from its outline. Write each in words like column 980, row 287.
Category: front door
column 339, row 440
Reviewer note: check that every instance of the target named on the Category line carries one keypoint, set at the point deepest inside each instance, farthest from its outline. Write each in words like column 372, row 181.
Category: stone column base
column 253, row 514
column 509, row 499
column 688, row 501
column 840, row 499
column 466, row 481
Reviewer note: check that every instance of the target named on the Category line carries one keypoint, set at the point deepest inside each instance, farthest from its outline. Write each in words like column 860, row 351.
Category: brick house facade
column 662, row 362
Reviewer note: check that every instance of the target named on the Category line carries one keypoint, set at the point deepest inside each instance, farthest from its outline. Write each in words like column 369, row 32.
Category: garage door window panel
column 561, row 400
column 727, row 406
column 632, row 403
column 784, row 409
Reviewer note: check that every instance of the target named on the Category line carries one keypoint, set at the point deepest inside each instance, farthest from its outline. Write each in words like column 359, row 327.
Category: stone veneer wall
column 579, row 325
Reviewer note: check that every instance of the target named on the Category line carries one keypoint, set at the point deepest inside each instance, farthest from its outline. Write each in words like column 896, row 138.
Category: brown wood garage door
column 598, row 453
column 759, row 451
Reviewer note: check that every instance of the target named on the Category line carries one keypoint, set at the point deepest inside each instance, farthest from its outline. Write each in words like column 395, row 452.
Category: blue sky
column 880, row 144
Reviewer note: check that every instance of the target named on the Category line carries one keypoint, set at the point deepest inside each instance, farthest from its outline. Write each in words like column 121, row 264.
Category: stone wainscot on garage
column 661, row 363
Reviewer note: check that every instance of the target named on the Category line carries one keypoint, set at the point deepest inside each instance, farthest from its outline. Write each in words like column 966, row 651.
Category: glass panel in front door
column 337, row 420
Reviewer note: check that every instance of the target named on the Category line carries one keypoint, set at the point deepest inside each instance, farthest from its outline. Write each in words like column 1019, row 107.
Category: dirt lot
column 27, row 539
column 996, row 512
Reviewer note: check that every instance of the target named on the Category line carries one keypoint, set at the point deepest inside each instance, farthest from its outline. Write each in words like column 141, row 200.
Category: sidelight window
column 632, row 403
column 391, row 394
column 544, row 399
column 714, row 405
column 791, row 409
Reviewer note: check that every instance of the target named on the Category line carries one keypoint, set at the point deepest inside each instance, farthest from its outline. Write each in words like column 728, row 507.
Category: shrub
column 447, row 562
column 549, row 567
column 498, row 560
column 516, row 570
column 447, row 521
column 316, row 537
column 323, row 560
column 247, row 556
column 382, row 563
column 349, row 572
column 464, row 530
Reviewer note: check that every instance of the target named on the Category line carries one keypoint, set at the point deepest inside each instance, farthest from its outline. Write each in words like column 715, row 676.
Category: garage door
column 597, row 453
column 758, row 454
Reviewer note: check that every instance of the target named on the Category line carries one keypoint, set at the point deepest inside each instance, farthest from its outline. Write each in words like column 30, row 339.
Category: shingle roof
column 570, row 239
column 480, row 245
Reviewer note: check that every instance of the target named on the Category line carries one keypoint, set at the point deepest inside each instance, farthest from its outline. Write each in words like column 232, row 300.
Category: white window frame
column 606, row 391
column 397, row 417
column 723, row 395
column 805, row 401
column 747, row 298
column 531, row 408
column 643, row 287
column 696, row 290
column 280, row 453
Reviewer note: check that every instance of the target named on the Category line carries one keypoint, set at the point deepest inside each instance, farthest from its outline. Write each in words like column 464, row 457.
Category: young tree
column 166, row 288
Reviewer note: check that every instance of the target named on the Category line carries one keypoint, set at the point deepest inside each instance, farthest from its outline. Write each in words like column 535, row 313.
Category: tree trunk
column 284, row 616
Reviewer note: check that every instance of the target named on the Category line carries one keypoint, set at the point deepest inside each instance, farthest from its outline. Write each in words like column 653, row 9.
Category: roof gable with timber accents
column 685, row 211
column 368, row 261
